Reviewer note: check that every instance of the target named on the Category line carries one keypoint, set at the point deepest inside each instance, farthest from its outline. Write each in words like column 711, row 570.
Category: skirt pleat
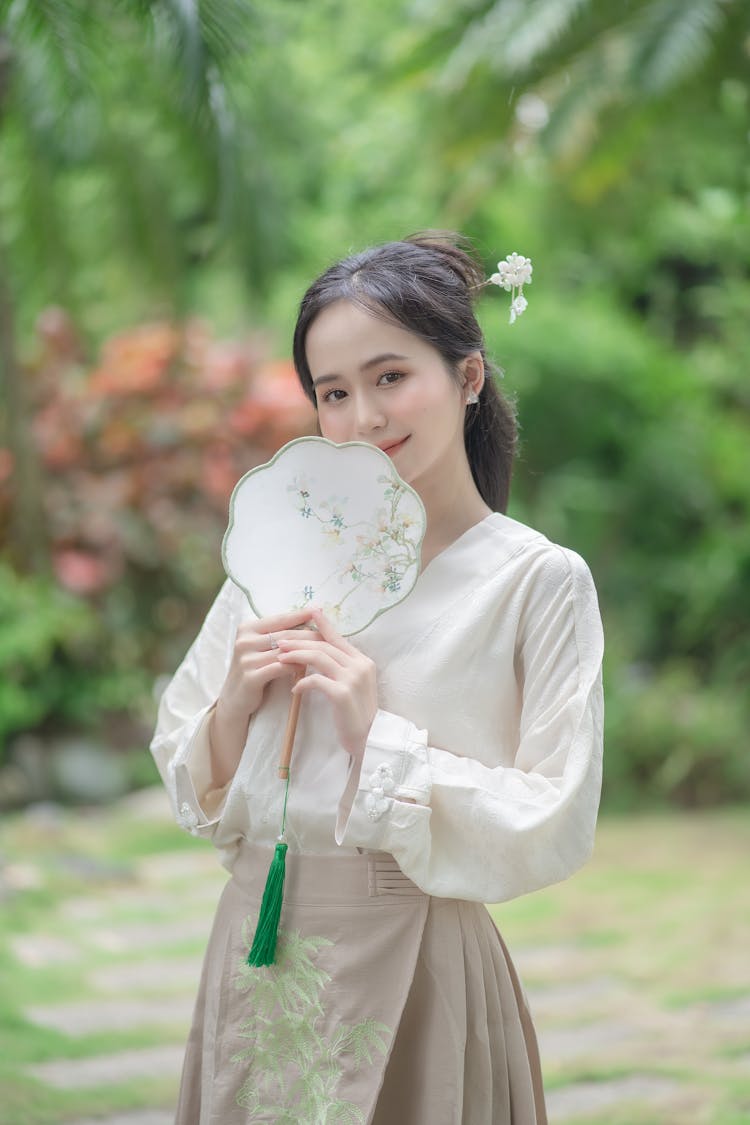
column 487, row 1044
column 466, row 1052
column 385, row 1007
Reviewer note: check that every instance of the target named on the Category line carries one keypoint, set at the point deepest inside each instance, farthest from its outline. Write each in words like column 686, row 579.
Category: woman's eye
column 391, row 377
column 329, row 395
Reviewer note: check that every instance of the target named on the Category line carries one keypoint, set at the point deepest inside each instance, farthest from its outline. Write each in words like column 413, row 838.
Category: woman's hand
column 342, row 673
column 255, row 663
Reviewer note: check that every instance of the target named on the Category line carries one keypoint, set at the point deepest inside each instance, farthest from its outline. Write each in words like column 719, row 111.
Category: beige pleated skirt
column 384, row 1006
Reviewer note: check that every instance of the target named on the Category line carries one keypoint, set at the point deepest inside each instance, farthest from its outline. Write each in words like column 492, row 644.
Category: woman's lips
column 391, row 449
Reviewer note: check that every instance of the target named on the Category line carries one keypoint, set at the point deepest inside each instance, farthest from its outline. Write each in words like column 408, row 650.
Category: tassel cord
column 263, row 949
column 283, row 815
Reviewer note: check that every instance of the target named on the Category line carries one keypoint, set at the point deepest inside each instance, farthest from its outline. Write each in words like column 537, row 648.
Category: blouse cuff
column 392, row 776
column 199, row 805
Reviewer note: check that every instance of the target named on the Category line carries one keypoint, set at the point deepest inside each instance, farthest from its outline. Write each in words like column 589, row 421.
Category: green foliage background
column 607, row 142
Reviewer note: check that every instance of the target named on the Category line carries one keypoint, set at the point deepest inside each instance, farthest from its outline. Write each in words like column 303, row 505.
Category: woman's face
column 377, row 382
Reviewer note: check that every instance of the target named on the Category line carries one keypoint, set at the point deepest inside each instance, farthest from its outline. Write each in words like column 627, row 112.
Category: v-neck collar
column 448, row 576
column 458, row 542
column 477, row 556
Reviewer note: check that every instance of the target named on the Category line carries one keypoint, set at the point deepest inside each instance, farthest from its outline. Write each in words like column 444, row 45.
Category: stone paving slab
column 110, row 1070
column 734, row 1013
column 554, row 962
column 148, row 976
column 89, row 1016
column 582, row 1098
column 167, row 867
column 158, row 901
column 589, row 1040
column 136, row 937
column 35, row 951
column 596, row 996
column 146, row 1117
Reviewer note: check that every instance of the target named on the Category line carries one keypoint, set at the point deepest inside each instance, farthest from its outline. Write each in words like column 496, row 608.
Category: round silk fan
column 327, row 525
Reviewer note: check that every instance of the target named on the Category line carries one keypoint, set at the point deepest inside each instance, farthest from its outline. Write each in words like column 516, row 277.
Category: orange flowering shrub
column 138, row 455
column 141, row 452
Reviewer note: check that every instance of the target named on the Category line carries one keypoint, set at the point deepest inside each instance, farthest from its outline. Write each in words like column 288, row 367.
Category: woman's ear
column 472, row 375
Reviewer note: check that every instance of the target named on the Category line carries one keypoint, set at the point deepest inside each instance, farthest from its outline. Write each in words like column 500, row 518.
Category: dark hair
column 426, row 284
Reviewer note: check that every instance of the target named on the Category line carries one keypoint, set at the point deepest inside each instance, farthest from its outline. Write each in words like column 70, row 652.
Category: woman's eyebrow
column 386, row 357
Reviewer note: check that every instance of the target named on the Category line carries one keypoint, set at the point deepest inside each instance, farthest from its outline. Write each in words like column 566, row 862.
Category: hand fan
column 328, row 525
column 324, row 524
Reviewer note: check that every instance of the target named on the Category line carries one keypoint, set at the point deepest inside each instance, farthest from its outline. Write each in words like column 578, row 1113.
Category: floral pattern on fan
column 352, row 553
column 384, row 552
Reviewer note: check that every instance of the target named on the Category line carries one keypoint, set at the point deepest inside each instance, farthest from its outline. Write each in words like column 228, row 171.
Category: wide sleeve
column 180, row 744
column 462, row 829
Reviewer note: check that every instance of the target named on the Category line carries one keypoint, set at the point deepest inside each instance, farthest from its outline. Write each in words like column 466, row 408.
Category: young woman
column 448, row 756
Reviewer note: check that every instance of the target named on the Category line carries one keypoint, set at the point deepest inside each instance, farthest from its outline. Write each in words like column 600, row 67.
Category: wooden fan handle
column 291, row 730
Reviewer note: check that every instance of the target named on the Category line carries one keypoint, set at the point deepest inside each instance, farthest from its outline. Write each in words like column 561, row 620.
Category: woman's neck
column 452, row 508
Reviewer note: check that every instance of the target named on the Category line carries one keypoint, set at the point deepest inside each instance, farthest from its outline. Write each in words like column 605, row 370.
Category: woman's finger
column 273, row 671
column 282, row 620
column 265, row 642
column 321, row 661
column 319, row 682
column 312, row 645
column 263, row 665
column 252, row 661
column 328, row 633
column 295, row 635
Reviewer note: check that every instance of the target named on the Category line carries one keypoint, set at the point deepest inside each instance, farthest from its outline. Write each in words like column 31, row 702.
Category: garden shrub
column 138, row 456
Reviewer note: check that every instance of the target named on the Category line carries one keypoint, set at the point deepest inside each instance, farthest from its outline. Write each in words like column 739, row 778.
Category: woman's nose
column 369, row 415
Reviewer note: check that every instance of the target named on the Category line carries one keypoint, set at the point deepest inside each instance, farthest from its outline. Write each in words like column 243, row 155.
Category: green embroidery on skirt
column 295, row 1070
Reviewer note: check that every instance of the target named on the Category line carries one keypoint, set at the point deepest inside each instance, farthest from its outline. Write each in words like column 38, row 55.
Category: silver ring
column 272, row 642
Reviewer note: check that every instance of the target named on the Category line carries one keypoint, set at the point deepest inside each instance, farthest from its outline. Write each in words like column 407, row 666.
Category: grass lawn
column 648, row 946
column 655, row 934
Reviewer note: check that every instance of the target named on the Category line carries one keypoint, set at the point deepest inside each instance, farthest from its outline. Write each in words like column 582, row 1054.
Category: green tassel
column 264, row 942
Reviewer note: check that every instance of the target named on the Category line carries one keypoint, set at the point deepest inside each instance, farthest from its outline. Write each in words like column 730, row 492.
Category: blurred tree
column 573, row 73
column 118, row 119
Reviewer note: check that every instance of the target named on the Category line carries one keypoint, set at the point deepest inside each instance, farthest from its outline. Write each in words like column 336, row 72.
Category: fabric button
column 376, row 804
column 187, row 818
column 382, row 779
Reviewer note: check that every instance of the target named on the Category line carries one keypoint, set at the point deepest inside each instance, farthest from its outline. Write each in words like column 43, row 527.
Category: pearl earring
column 471, row 398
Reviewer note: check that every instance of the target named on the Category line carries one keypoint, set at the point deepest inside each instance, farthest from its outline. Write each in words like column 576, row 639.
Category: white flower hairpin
column 512, row 274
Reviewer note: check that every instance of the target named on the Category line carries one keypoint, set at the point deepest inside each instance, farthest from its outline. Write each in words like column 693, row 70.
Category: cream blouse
column 482, row 769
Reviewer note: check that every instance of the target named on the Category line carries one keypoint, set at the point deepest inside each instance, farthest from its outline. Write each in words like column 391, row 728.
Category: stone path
column 109, row 1070
column 588, row 1097
column 148, row 1117
column 606, row 1046
column 89, row 1016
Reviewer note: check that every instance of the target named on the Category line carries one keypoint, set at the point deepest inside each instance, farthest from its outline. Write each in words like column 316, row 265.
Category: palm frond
column 199, row 37
column 58, row 28
column 226, row 27
column 545, row 23
column 577, row 99
column 513, row 37
column 672, row 39
column 583, row 59
column 178, row 30
column 482, row 44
